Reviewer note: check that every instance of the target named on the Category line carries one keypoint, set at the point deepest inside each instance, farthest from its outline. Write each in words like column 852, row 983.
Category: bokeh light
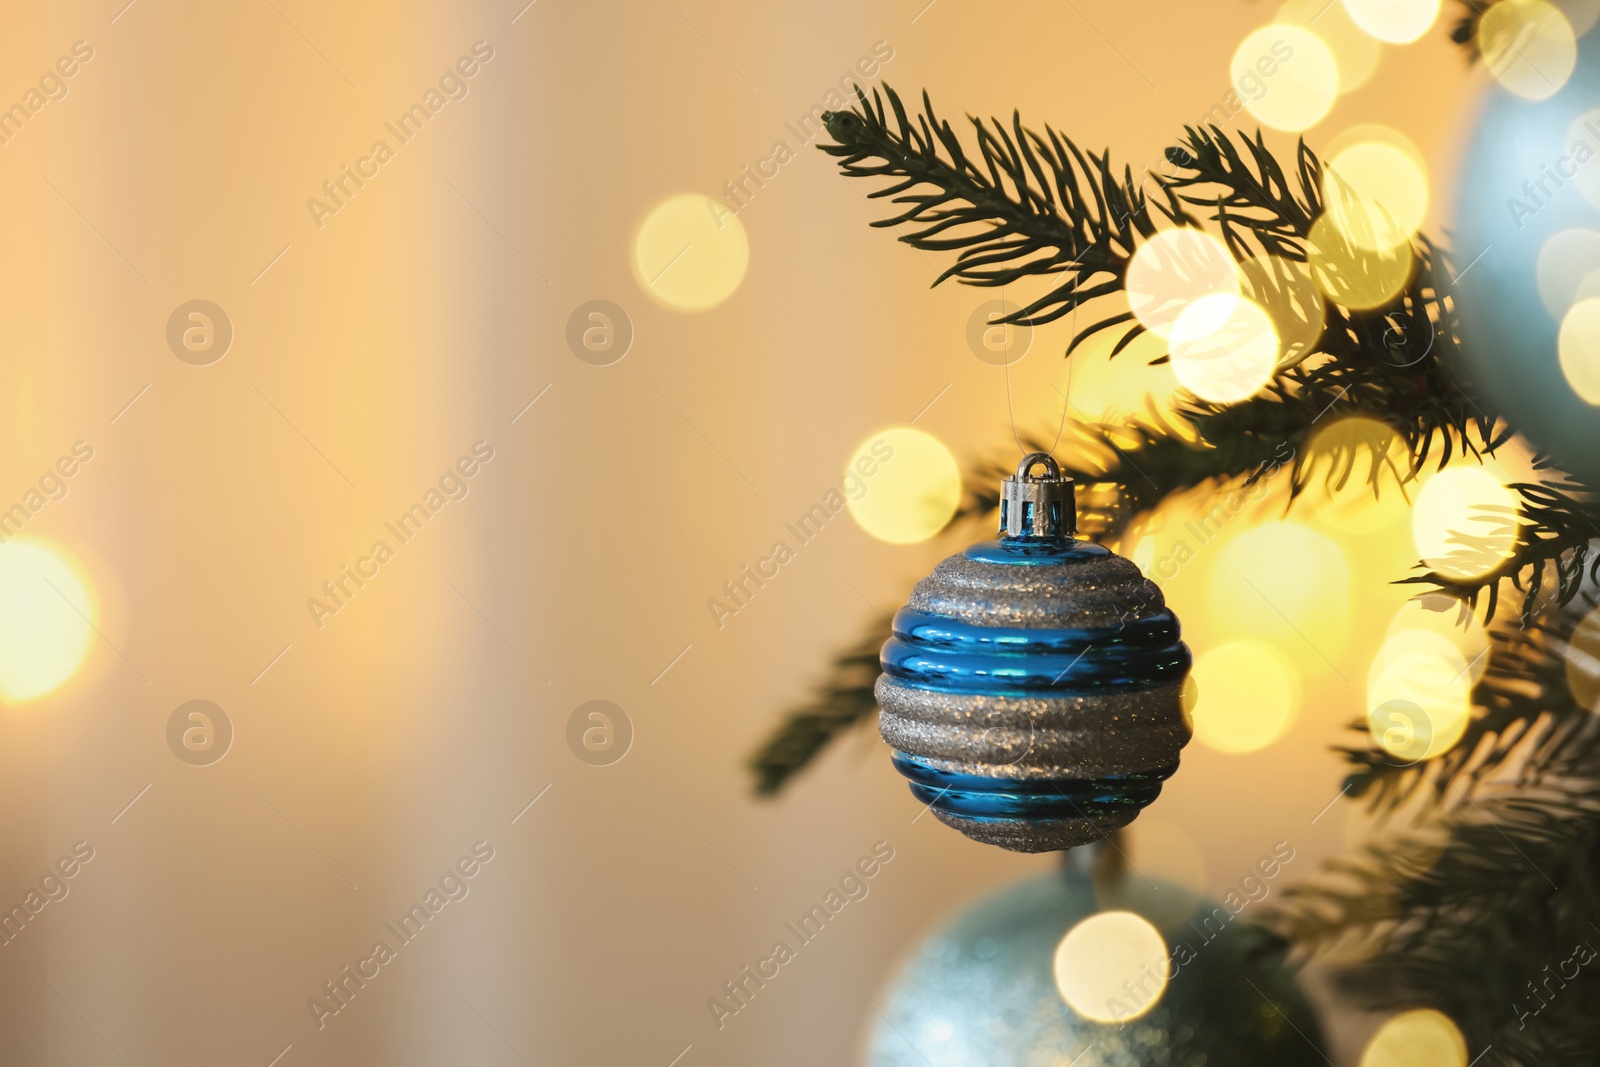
column 1583, row 662
column 1286, row 291
column 44, row 620
column 913, row 488
column 1376, row 190
column 1353, row 275
column 1285, row 76
column 1112, row 967
column 1528, row 46
column 1420, row 1038
column 1582, row 147
column 1172, row 270
column 1419, row 695
column 1224, row 348
column 1453, row 533
column 1581, row 14
column 691, row 253
column 1287, row 584
column 1354, row 50
column 1451, row 619
column 1578, row 347
column 1356, row 506
column 1566, row 260
column 1393, row 21
column 1248, row 696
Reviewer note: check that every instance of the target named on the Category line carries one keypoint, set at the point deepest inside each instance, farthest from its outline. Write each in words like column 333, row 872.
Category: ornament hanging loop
column 1038, row 506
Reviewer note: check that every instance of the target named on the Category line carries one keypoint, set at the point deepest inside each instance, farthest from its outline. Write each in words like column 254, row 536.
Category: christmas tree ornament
column 1032, row 690
column 985, row 988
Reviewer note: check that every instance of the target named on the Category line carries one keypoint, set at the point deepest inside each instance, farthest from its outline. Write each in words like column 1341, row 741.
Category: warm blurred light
column 1286, row 291
column 1565, row 261
column 1583, row 662
column 1529, row 47
column 44, row 620
column 1419, row 695
column 1352, row 275
column 1376, row 191
column 1285, row 76
column 1453, row 534
column 1394, row 21
column 691, row 253
column 1578, row 346
column 1581, row 14
column 1421, row 1038
column 1452, row 619
column 1143, row 554
column 1224, row 348
column 1112, row 967
column 909, row 485
column 1354, row 50
column 1248, row 696
column 1172, row 270
column 1286, row 584
column 1357, row 506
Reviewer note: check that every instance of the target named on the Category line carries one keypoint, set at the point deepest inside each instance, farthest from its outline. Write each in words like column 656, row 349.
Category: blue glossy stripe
column 976, row 796
column 1035, row 551
column 955, row 672
column 944, row 633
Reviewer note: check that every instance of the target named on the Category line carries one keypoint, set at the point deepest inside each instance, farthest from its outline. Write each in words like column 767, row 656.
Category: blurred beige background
column 372, row 352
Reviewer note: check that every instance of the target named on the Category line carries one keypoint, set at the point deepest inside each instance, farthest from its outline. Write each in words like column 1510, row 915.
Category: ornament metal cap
column 1044, row 506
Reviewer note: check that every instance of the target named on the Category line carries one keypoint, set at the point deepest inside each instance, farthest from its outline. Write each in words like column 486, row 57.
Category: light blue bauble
column 1519, row 186
column 980, row 991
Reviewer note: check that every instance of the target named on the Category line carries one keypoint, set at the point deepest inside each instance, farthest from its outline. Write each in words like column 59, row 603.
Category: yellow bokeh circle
column 1419, row 695
column 1583, row 662
column 1354, row 50
column 1376, row 191
column 1566, row 261
column 1352, row 275
column 903, row 485
column 1285, row 76
column 1393, row 21
column 1464, row 522
column 1578, row 347
column 1528, row 46
column 1111, row 967
column 1172, row 270
column 690, row 253
column 1289, row 295
column 1451, row 619
column 1372, row 460
column 1248, row 696
column 45, row 610
column 1420, row 1038
column 1224, row 348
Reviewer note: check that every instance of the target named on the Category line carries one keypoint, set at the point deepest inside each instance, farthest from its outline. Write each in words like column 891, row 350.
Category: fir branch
column 842, row 702
column 1465, row 923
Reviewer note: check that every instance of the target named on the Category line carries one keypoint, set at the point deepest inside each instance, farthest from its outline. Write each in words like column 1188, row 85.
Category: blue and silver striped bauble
column 1032, row 690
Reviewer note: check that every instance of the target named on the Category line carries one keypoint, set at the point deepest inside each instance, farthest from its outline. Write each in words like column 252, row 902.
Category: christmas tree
column 1486, row 905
